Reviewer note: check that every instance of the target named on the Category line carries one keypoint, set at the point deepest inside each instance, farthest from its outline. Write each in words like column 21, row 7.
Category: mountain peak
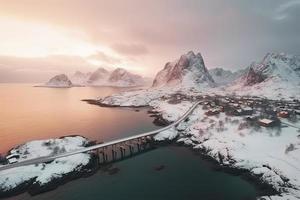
column 101, row 69
column 188, row 71
column 121, row 76
column 191, row 54
column 276, row 75
column 60, row 80
column 99, row 74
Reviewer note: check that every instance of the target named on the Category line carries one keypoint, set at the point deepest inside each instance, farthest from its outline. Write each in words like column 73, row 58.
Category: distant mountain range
column 276, row 74
column 101, row 77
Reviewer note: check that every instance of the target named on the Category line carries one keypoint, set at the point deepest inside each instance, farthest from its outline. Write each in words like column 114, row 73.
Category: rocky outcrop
column 253, row 77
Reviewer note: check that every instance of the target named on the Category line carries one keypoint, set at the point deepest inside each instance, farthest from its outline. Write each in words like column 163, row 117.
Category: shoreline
column 158, row 119
column 93, row 167
column 244, row 173
column 262, row 187
column 34, row 187
column 210, row 163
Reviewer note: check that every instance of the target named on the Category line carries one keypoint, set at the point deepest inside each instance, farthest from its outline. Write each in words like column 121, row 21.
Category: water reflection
column 28, row 113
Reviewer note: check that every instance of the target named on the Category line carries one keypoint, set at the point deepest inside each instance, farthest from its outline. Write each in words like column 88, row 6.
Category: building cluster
column 265, row 112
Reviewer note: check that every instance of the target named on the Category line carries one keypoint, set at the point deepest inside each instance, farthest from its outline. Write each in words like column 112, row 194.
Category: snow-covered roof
column 14, row 155
column 12, row 160
column 266, row 121
column 247, row 108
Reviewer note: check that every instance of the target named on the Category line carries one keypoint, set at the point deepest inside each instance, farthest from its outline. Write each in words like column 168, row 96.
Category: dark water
column 185, row 176
column 28, row 113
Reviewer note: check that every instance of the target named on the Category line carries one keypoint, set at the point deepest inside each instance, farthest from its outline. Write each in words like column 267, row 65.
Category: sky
column 39, row 39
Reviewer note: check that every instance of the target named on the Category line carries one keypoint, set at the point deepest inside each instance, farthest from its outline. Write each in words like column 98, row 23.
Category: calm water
column 28, row 113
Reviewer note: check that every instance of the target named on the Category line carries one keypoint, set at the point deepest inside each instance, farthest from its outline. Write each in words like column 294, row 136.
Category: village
column 259, row 111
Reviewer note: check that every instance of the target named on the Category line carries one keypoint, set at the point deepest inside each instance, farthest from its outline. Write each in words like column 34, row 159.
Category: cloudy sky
column 43, row 38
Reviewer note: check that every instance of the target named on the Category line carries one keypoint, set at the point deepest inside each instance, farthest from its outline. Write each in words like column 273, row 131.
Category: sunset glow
column 141, row 36
column 29, row 39
column 149, row 99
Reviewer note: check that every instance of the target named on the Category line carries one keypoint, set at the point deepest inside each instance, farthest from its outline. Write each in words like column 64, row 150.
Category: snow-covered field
column 270, row 154
column 42, row 174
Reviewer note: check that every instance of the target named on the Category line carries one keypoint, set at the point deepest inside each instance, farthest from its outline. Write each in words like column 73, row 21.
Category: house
column 266, row 122
column 240, row 111
column 13, row 155
column 212, row 112
column 222, row 109
column 247, row 111
column 12, row 160
column 283, row 114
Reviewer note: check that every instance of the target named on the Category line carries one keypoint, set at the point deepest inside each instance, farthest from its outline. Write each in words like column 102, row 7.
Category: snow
column 169, row 134
column 43, row 173
column 188, row 71
column 264, row 152
column 65, row 165
column 229, row 140
column 12, row 160
column 280, row 74
column 225, row 77
column 266, row 121
column 252, row 150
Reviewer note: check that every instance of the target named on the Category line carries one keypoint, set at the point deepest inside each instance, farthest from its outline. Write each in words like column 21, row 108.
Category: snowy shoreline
column 44, row 177
column 260, row 152
column 263, row 187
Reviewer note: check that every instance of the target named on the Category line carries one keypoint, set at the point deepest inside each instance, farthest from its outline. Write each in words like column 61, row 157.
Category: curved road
column 83, row 150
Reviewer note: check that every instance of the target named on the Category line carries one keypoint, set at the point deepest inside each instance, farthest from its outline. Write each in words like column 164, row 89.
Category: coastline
column 266, row 188
column 223, row 149
column 66, row 169
column 159, row 164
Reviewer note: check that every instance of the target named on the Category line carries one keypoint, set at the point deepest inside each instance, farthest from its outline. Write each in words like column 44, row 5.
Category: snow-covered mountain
column 60, row 80
column 188, row 71
column 118, row 77
column 102, row 77
column 98, row 77
column 225, row 77
column 121, row 77
column 80, row 78
column 274, row 67
column 277, row 75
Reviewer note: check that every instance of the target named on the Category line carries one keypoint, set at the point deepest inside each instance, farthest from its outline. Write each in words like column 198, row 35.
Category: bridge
column 140, row 141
